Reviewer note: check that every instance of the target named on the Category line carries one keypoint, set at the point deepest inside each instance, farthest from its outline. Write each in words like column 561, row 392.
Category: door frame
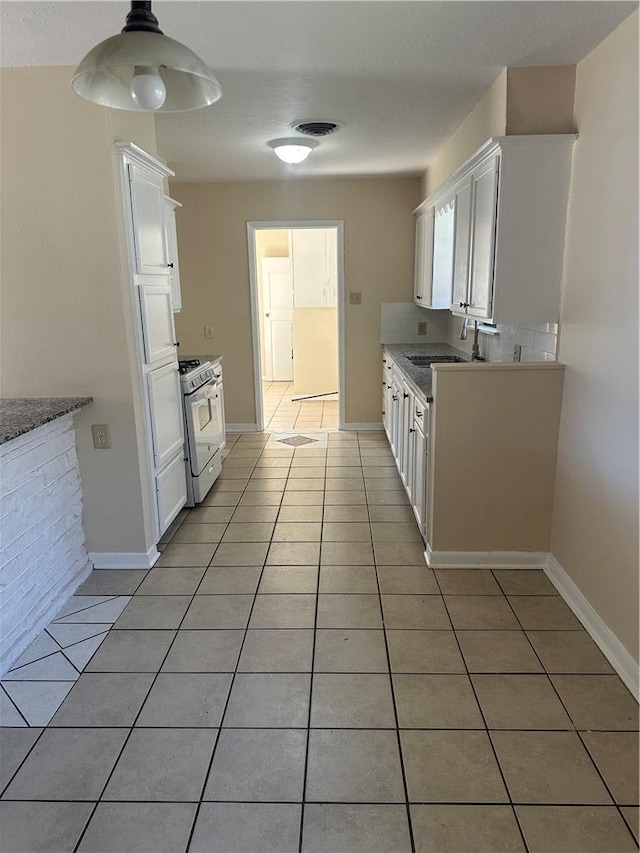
column 286, row 225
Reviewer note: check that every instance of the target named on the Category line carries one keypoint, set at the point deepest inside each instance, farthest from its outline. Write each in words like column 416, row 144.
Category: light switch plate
column 517, row 352
column 208, row 331
column 355, row 298
column 422, row 328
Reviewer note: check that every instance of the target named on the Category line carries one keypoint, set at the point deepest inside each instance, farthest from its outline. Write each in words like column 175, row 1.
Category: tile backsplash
column 399, row 324
column 539, row 342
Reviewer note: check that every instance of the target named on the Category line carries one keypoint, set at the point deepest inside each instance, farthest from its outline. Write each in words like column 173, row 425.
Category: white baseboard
column 364, row 427
column 241, row 427
column 601, row 634
column 124, row 559
column 485, row 559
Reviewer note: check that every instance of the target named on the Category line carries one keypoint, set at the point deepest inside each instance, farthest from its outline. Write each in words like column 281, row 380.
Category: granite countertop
column 19, row 415
column 420, row 377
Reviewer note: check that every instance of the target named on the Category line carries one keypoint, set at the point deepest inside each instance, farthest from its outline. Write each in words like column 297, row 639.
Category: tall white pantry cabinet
column 153, row 305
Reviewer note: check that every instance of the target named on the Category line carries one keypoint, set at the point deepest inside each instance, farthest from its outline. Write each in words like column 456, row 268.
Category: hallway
column 290, row 677
column 281, row 412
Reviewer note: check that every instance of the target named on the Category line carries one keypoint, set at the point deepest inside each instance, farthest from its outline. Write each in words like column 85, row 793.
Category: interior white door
column 277, row 290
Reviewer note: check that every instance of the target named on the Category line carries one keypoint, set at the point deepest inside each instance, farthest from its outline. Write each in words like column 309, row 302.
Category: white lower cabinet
column 406, row 418
column 171, row 491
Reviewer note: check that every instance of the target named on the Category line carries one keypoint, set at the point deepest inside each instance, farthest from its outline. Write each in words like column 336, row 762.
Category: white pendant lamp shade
column 142, row 69
column 292, row 150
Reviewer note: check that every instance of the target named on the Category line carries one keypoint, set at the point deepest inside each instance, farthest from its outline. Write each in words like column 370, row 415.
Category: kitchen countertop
column 19, row 415
column 421, row 377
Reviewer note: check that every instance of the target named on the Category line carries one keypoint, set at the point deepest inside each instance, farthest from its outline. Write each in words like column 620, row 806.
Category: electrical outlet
column 101, row 436
column 355, row 298
column 208, row 331
column 422, row 328
column 517, row 352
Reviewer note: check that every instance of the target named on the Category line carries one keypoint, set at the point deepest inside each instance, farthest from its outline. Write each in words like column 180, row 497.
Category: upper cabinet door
column 147, row 206
column 424, row 258
column 443, row 234
column 461, row 249
column 485, row 187
column 172, row 253
column 156, row 314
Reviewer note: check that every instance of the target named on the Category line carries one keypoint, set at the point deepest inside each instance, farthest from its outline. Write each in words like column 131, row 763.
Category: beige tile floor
column 291, row 677
column 282, row 412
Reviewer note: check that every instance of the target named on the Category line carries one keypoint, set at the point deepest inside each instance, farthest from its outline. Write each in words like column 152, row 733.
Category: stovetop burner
column 188, row 365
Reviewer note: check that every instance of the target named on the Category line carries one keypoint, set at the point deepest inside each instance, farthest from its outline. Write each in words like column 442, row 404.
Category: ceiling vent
column 316, row 128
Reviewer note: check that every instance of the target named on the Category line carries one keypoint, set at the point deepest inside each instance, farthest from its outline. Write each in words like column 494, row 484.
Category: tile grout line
column 575, row 731
column 233, row 678
column 484, row 720
column 137, row 716
column 391, row 681
column 311, row 678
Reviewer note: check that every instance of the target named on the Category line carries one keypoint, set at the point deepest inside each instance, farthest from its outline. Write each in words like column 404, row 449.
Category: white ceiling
column 400, row 76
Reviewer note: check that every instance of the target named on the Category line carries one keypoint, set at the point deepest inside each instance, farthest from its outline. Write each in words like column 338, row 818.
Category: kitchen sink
column 428, row 360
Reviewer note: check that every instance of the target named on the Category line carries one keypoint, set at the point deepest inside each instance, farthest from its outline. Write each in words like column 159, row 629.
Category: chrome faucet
column 475, row 350
column 463, row 330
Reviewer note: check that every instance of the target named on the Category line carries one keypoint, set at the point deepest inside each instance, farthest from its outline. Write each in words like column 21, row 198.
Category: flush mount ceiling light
column 142, row 69
column 292, row 149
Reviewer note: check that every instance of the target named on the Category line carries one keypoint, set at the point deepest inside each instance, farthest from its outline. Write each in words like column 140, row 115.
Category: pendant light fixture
column 293, row 149
column 142, row 69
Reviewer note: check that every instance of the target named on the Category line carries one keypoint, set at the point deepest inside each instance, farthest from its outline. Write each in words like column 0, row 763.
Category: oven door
column 205, row 425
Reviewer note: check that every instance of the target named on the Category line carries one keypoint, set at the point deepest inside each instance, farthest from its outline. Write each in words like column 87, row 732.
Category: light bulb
column 147, row 88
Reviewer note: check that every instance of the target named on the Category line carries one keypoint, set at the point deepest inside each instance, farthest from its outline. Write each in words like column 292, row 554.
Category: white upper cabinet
column 423, row 269
column 462, row 245
column 483, row 232
column 443, row 232
column 170, row 206
column 148, row 209
column 433, row 271
column 510, row 207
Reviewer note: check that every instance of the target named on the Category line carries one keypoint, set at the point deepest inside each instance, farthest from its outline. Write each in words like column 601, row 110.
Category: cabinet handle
column 418, row 297
column 170, row 265
column 394, row 398
column 176, row 344
column 384, row 360
column 404, row 396
column 418, row 414
column 411, row 429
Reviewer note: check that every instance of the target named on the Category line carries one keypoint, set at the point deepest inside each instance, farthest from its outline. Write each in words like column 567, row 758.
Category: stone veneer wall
column 42, row 548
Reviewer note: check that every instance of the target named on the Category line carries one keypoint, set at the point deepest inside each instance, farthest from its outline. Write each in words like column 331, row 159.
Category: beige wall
column 65, row 328
column 595, row 521
column 214, row 269
column 488, row 118
column 540, row 99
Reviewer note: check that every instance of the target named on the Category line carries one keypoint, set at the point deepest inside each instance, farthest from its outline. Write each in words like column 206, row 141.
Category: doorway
column 297, row 285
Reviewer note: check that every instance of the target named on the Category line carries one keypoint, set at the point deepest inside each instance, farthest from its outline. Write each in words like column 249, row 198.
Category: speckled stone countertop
column 22, row 414
column 421, row 377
